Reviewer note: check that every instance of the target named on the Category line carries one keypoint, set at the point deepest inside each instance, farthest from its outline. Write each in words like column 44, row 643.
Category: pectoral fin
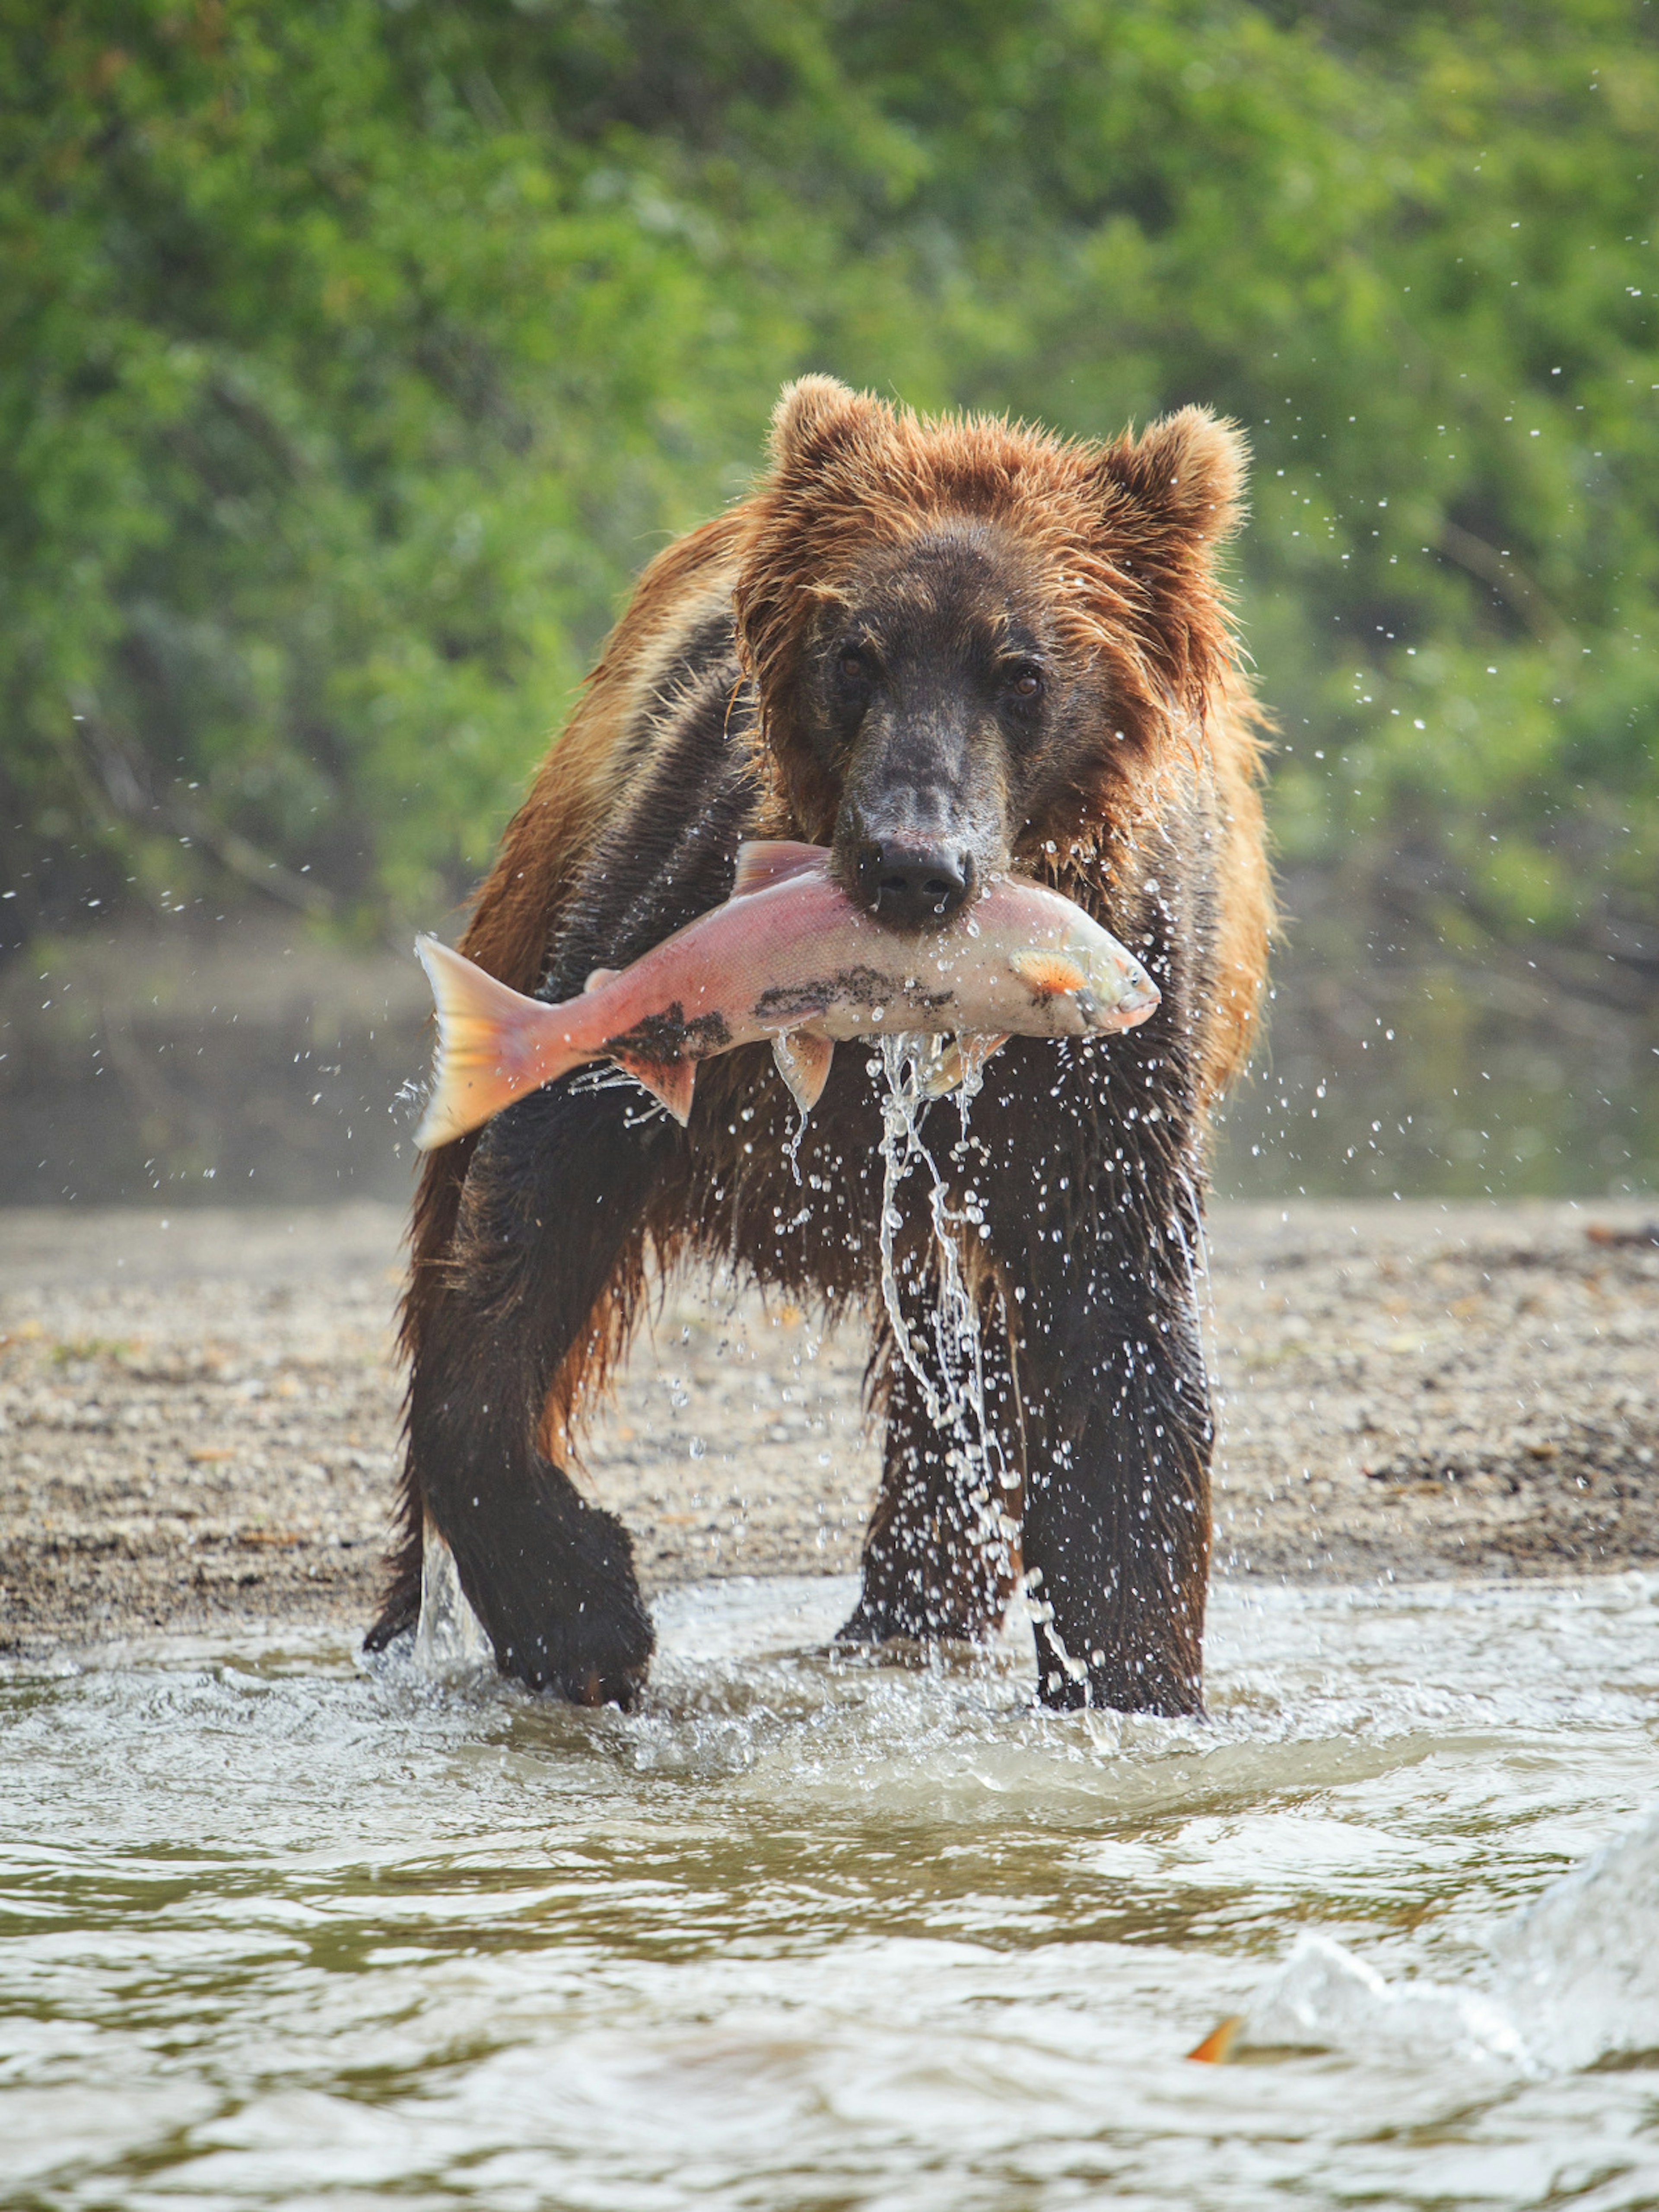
column 804, row 1063
column 671, row 1082
column 599, row 978
column 1050, row 975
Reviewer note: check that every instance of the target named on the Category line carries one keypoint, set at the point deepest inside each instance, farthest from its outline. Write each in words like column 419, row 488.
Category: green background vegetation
column 354, row 356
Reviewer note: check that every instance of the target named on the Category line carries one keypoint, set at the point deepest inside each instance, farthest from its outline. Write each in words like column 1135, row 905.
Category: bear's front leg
column 1117, row 1516
column 555, row 1199
column 1096, row 1231
column 1117, row 1508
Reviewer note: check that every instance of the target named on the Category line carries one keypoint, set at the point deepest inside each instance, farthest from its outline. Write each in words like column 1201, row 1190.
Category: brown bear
column 942, row 647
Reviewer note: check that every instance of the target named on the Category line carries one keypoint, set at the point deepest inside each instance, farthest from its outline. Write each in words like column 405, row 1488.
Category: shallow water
column 808, row 1933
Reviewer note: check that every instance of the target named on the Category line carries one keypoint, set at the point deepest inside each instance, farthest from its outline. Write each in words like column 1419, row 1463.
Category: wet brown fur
column 1118, row 542
column 1123, row 536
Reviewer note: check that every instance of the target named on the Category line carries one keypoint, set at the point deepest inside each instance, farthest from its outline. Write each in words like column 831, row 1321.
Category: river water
column 811, row 1933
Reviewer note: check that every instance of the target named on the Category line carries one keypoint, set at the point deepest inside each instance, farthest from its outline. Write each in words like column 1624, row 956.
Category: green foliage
column 355, row 355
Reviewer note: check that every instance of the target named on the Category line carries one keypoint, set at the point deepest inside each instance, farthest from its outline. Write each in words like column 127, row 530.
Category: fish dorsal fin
column 1050, row 975
column 804, row 1063
column 670, row 1082
column 763, row 861
column 599, row 978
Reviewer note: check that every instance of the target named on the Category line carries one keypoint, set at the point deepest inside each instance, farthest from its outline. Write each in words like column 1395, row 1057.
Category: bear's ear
column 1188, row 470
column 815, row 417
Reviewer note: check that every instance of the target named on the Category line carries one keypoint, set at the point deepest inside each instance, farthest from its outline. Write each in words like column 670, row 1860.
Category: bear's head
column 973, row 642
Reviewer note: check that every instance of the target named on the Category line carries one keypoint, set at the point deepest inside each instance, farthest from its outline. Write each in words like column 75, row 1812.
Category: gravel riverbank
column 199, row 1410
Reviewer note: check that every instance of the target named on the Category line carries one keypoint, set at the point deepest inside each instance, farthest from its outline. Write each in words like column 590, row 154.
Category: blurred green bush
column 353, row 356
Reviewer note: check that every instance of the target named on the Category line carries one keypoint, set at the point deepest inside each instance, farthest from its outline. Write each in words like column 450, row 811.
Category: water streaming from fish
column 951, row 1382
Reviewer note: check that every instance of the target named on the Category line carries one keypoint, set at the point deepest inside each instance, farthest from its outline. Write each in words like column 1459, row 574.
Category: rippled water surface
column 807, row 1933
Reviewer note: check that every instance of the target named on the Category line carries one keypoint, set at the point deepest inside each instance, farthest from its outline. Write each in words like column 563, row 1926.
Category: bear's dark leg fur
column 1117, row 1511
column 556, row 1194
column 1095, row 1216
column 560, row 1194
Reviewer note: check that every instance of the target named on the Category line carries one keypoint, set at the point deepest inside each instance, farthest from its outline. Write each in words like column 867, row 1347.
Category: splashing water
column 451, row 1642
column 953, row 1388
column 1570, row 1979
column 809, row 1929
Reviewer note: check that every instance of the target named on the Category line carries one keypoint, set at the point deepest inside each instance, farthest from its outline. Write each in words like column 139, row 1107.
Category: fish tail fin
column 484, row 1060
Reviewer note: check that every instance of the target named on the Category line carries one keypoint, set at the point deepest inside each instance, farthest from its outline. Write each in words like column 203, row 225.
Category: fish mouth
column 1125, row 1010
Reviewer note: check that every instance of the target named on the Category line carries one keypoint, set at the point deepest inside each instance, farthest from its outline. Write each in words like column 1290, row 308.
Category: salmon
column 790, row 959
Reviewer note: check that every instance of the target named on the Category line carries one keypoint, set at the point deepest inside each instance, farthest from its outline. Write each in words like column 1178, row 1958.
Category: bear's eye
column 1024, row 681
column 851, row 666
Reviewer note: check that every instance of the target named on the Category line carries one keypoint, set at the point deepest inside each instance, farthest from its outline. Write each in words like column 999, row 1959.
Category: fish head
column 1117, row 993
column 1087, row 966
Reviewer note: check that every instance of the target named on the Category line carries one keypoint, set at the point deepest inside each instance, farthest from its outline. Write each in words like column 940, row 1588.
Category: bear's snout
column 910, row 884
column 924, row 813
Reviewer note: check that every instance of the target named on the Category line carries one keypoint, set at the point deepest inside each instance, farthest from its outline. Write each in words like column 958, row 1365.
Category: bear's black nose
column 910, row 886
